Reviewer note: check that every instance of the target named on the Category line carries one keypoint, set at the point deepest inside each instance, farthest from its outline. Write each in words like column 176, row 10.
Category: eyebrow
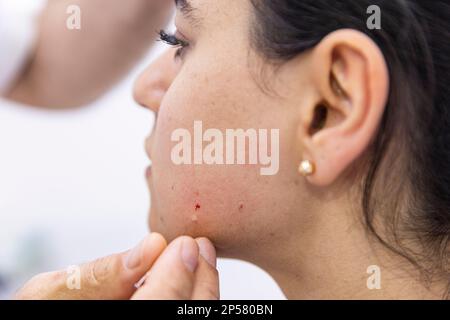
column 187, row 10
column 183, row 4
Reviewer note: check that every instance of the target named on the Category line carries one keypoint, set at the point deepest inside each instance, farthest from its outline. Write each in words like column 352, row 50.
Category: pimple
column 241, row 206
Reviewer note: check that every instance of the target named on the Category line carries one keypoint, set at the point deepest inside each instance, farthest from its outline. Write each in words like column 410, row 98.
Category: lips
column 148, row 171
column 148, row 144
column 148, row 148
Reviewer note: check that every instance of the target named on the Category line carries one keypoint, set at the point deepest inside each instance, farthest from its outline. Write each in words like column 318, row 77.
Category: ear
column 350, row 87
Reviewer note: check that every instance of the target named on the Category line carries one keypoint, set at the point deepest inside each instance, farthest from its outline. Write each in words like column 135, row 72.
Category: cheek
column 204, row 200
column 195, row 193
column 222, row 202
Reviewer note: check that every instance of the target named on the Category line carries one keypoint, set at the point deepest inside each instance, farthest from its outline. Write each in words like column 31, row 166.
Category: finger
column 111, row 277
column 173, row 274
column 206, row 285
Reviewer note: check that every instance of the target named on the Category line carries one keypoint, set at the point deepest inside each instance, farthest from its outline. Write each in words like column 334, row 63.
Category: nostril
column 150, row 98
column 154, row 98
column 138, row 96
column 158, row 94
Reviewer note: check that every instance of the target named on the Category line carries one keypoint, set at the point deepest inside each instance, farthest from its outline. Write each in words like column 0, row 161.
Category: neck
column 335, row 259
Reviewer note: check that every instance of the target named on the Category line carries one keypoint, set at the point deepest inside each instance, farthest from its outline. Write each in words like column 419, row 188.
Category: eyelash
column 174, row 41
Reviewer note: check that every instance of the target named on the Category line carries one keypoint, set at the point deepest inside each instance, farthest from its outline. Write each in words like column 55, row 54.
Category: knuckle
column 176, row 291
column 208, row 290
column 207, row 285
column 100, row 270
column 210, row 294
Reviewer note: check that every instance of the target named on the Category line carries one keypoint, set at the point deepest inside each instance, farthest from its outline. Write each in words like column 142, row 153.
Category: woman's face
column 220, row 80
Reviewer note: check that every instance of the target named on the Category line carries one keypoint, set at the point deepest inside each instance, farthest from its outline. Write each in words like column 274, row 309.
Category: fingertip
column 154, row 245
column 207, row 250
column 189, row 252
column 157, row 238
column 173, row 275
column 145, row 253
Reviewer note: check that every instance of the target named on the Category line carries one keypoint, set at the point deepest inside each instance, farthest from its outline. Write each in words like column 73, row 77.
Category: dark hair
column 414, row 134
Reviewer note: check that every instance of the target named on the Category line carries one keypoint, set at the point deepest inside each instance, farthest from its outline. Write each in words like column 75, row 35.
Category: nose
column 153, row 83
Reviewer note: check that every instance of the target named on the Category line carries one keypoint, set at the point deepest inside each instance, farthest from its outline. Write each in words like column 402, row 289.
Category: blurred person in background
column 45, row 63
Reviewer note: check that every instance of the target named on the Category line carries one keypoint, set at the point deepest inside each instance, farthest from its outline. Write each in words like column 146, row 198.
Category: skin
column 304, row 231
column 87, row 62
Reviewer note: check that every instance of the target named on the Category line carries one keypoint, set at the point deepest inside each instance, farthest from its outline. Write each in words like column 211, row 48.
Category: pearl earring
column 306, row 168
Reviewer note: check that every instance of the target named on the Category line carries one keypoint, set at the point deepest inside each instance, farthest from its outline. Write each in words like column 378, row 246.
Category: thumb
column 173, row 275
column 114, row 276
column 206, row 285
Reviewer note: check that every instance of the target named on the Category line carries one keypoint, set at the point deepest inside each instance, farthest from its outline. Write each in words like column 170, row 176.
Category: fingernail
column 207, row 251
column 133, row 258
column 189, row 254
column 141, row 282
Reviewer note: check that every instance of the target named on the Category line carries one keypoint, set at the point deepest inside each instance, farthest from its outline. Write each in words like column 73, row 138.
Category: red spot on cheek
column 197, row 207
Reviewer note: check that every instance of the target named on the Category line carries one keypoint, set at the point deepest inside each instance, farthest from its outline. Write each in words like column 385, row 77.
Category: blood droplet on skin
column 197, row 207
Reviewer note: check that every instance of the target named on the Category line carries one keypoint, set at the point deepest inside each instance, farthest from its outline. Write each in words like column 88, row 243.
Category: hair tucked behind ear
column 409, row 158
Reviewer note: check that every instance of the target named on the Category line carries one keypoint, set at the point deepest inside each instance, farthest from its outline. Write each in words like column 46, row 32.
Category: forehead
column 210, row 9
column 215, row 24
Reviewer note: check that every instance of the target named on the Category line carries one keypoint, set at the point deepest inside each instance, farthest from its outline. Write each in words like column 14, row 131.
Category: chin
column 156, row 224
column 170, row 230
column 229, row 240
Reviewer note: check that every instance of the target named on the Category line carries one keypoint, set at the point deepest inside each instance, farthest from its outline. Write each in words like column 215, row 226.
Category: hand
column 182, row 273
column 89, row 59
column 114, row 277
